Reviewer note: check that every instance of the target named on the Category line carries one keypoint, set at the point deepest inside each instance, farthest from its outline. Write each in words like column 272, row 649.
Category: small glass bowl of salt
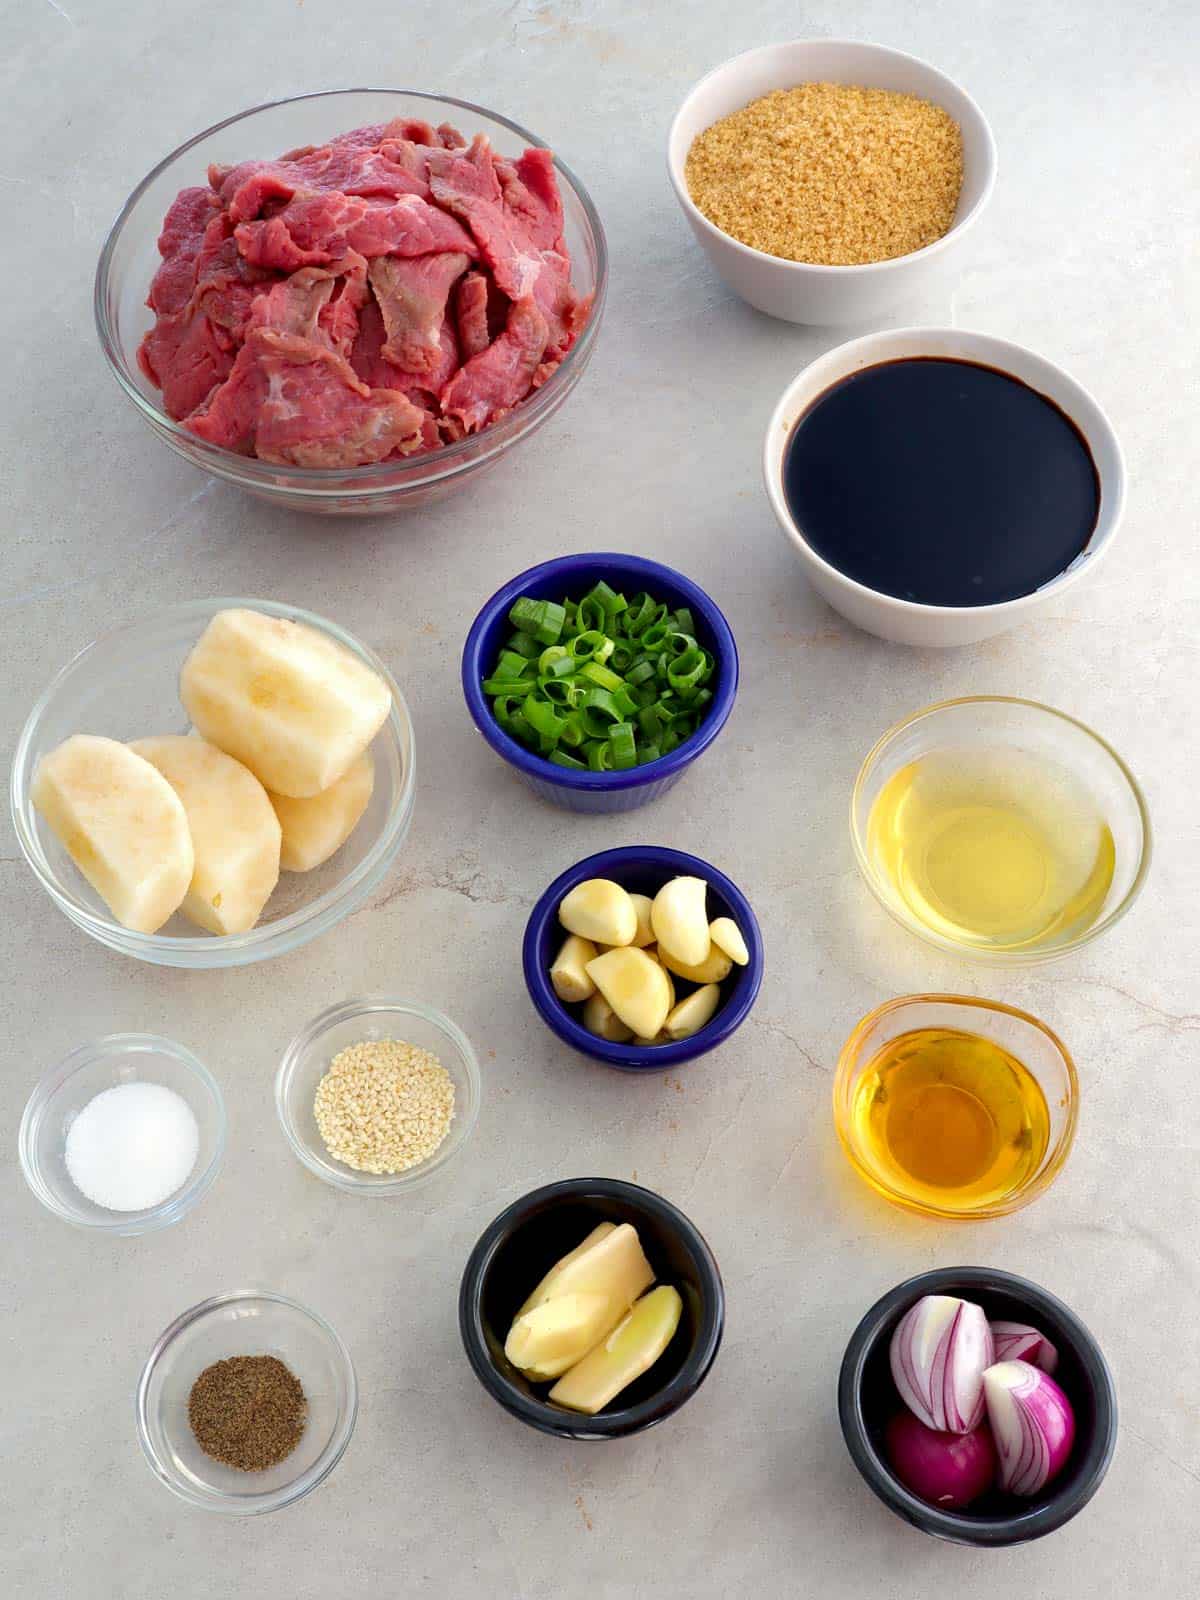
column 124, row 1135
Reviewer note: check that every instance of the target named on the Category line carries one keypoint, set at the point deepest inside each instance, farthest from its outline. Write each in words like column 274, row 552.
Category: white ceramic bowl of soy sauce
column 909, row 621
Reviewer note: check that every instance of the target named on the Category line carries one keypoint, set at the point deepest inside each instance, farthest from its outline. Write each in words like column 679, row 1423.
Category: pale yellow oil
column 949, row 1119
column 996, row 848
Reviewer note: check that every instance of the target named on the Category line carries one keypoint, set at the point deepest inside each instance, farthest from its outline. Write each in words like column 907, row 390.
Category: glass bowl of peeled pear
column 215, row 784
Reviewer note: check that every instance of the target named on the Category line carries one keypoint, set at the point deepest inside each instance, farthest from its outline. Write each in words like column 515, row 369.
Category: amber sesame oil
column 949, row 1119
column 995, row 848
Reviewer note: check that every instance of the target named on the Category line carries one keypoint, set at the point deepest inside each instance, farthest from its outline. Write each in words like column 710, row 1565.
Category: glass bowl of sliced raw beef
column 354, row 301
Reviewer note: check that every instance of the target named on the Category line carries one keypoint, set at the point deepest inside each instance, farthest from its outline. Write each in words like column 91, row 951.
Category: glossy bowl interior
column 307, row 1059
column 867, row 1399
column 572, row 577
column 800, row 291
column 245, row 1322
column 642, row 869
column 130, row 258
column 521, row 1246
column 66, row 1089
column 1040, row 1050
column 995, row 723
column 126, row 686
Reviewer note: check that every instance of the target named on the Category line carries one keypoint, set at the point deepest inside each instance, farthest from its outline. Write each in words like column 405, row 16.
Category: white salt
column 132, row 1146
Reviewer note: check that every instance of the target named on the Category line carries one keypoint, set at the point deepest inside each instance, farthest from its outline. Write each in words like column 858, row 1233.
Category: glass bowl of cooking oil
column 955, row 1107
column 1000, row 829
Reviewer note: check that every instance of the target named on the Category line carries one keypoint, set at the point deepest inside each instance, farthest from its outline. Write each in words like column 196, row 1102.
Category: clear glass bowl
column 996, row 723
column 126, row 686
column 69, row 1085
column 130, row 258
column 245, row 1322
column 307, row 1059
column 1032, row 1042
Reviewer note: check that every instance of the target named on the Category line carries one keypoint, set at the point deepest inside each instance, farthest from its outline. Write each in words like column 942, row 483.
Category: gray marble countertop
column 1089, row 254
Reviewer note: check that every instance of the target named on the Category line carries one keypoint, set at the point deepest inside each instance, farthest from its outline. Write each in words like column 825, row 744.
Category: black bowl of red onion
column 977, row 1406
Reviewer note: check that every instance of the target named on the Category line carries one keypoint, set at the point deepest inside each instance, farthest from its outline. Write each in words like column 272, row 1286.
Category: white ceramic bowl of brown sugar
column 807, row 209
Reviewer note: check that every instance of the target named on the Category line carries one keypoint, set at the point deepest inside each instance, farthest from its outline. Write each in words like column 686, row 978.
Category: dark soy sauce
column 941, row 481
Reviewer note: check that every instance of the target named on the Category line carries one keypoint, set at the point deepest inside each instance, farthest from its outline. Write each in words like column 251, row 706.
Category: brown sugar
column 830, row 174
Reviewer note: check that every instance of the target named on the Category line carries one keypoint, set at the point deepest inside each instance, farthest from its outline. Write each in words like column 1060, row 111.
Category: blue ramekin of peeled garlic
column 643, row 937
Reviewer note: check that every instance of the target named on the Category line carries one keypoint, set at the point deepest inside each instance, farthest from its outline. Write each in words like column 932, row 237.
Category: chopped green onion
column 602, row 682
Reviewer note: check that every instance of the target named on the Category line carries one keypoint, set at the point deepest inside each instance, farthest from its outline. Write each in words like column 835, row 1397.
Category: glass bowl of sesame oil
column 955, row 1107
column 1000, row 829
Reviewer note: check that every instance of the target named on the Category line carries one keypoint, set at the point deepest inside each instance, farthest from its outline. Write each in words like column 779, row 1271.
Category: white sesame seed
column 384, row 1106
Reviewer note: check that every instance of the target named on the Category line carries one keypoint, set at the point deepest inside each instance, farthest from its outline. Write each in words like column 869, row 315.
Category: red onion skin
column 1032, row 1423
column 950, row 1470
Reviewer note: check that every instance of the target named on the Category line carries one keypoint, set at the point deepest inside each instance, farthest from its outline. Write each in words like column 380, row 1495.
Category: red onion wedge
column 1032, row 1423
column 1017, row 1341
column 939, row 1351
column 950, row 1470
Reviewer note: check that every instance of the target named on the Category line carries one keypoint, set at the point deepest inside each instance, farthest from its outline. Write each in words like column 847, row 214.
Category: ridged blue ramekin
column 642, row 869
column 573, row 576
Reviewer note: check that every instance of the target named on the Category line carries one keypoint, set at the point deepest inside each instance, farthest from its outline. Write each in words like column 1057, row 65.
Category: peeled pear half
column 122, row 824
column 235, row 833
column 290, row 703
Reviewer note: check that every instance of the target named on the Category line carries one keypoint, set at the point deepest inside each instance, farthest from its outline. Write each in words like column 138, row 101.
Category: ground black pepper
column 247, row 1411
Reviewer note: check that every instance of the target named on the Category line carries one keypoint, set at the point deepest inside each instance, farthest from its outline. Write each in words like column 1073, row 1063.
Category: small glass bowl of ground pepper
column 246, row 1403
column 376, row 1095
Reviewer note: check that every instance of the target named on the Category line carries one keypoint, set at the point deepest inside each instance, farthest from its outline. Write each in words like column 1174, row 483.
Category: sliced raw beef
column 468, row 186
column 507, row 223
column 374, row 368
column 471, row 314
column 531, row 197
column 361, row 300
column 412, row 295
column 313, row 417
column 179, row 244
column 492, row 383
column 185, row 356
column 313, row 229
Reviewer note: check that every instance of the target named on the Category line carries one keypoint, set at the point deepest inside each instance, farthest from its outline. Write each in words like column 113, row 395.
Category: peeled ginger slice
column 235, row 833
column 121, row 823
column 290, row 703
column 316, row 827
column 547, row 1339
column 632, row 1348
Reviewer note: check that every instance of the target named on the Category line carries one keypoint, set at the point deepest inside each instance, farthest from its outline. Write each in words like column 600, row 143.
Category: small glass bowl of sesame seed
column 364, row 1101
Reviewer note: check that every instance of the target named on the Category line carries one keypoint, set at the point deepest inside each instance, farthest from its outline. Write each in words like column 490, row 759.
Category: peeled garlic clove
column 570, row 982
column 680, row 920
column 661, row 1038
column 694, row 1013
column 645, row 933
column 635, row 987
column 727, row 936
column 715, row 967
column 600, row 1018
column 599, row 910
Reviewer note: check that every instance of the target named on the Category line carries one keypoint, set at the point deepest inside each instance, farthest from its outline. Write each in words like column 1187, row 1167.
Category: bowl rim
column 979, row 348
column 376, row 477
column 123, row 1224
column 554, row 1420
column 676, row 159
column 307, row 1480
column 202, row 950
column 959, row 1526
column 530, row 764
column 1000, row 958
column 632, row 1057
column 346, row 1178
column 1015, row 1201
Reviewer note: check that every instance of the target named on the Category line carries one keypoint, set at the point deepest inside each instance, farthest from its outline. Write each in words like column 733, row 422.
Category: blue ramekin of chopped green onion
column 600, row 678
